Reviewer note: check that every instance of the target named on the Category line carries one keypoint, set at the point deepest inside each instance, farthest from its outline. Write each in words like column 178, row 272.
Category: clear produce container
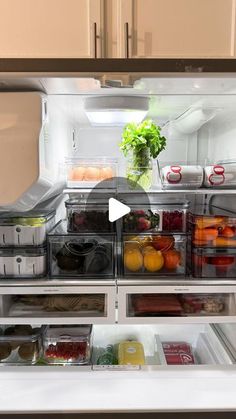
column 20, row 345
column 67, row 344
column 214, row 263
column 25, row 229
column 80, row 255
column 215, row 228
column 23, row 262
column 154, row 255
column 176, row 175
column 91, row 172
column 88, row 217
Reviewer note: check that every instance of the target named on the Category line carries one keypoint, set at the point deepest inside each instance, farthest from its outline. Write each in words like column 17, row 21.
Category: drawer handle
column 126, row 40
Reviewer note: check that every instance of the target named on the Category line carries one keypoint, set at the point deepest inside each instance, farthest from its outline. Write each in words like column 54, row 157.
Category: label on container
column 116, row 367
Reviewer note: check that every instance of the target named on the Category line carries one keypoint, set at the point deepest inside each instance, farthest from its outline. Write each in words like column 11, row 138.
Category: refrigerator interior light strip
column 116, row 110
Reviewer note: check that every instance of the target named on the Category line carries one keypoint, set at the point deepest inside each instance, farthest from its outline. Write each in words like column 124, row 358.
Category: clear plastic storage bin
column 67, row 344
column 80, row 255
column 214, row 263
column 207, row 304
column 25, row 229
column 88, row 216
column 20, row 345
column 215, row 228
column 181, row 176
column 90, row 172
column 23, row 262
column 154, row 255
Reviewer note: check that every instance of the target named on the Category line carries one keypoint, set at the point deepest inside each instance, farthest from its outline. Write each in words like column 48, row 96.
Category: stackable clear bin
column 25, row 229
column 154, row 255
column 213, row 263
column 168, row 215
column 80, row 255
column 90, row 172
column 67, row 344
column 180, row 176
column 220, row 175
column 215, row 228
column 20, row 345
column 23, row 262
column 87, row 216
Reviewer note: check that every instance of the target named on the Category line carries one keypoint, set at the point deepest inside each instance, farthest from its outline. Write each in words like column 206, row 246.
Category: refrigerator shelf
column 201, row 191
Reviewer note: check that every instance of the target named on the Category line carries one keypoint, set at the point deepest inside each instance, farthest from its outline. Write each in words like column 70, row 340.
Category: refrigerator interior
column 197, row 116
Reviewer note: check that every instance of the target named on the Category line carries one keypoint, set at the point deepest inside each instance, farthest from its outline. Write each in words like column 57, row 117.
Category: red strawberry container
column 67, row 344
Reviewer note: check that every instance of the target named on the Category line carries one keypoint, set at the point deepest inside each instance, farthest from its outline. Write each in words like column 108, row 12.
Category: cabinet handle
column 126, row 40
column 95, row 34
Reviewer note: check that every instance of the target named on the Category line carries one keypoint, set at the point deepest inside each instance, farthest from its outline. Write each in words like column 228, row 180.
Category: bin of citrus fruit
column 154, row 255
column 90, row 172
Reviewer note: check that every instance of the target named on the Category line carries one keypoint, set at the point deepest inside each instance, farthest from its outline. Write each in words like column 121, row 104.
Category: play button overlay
column 117, row 210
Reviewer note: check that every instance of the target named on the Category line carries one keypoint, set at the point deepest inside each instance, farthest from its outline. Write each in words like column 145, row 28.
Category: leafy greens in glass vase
column 141, row 143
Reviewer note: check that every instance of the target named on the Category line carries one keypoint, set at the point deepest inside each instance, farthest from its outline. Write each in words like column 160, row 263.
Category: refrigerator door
column 26, row 177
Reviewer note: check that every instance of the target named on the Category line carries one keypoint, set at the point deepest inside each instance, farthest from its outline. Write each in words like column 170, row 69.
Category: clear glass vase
column 139, row 169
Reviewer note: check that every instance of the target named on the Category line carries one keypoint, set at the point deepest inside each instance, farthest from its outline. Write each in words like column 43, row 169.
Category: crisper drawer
column 154, row 255
column 81, row 255
column 152, row 304
column 64, row 305
column 196, row 344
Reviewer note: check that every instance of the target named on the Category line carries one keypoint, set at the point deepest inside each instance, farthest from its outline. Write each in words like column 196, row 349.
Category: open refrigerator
column 53, row 127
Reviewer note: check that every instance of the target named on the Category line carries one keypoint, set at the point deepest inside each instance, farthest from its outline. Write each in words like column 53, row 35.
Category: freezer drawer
column 153, row 255
column 200, row 338
column 64, row 305
column 156, row 304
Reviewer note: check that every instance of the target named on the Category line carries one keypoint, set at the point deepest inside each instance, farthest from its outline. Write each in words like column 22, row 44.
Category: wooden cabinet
column 176, row 28
column 51, row 28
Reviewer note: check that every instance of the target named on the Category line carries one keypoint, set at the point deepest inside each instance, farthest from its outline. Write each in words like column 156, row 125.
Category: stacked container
column 154, row 239
column 23, row 252
column 213, row 239
column 84, row 245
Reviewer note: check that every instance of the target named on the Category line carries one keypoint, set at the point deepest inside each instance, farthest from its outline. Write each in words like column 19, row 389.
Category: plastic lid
column 28, row 214
column 84, row 202
column 24, row 252
column 201, row 210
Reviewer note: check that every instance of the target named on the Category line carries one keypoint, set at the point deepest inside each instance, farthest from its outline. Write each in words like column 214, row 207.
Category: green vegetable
column 144, row 140
column 138, row 137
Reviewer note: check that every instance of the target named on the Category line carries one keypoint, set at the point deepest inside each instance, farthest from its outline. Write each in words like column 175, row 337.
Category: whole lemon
column 133, row 260
column 153, row 261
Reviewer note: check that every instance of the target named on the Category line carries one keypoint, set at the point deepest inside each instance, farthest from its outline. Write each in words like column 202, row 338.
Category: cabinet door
column 177, row 28
column 50, row 28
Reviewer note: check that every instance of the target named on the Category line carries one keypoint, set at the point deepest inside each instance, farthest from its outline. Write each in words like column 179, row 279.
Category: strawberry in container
column 141, row 220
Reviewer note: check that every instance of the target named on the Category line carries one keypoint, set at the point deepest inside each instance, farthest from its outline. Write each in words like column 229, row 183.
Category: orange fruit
column 133, row 260
column 153, row 261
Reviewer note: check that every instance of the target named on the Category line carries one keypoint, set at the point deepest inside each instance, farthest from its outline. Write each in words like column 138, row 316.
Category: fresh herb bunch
column 145, row 141
column 139, row 137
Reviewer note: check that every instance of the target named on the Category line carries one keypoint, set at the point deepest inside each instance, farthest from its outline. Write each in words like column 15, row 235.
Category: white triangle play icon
column 117, row 209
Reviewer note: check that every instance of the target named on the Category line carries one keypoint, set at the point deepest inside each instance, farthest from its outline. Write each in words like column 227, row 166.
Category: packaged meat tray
column 25, row 229
column 67, row 344
column 80, row 255
column 20, row 344
column 148, row 305
column 154, row 255
column 214, row 263
column 215, row 228
column 207, row 304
